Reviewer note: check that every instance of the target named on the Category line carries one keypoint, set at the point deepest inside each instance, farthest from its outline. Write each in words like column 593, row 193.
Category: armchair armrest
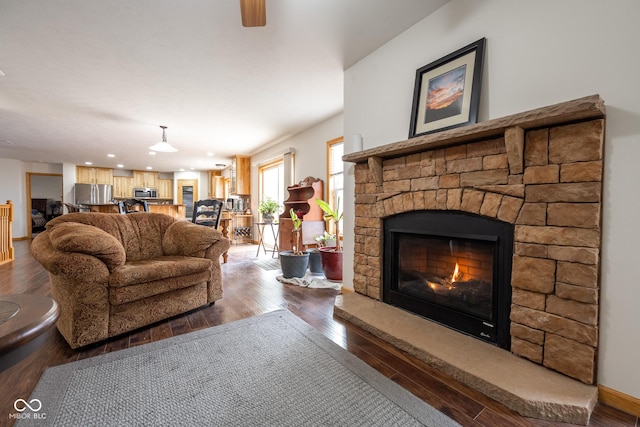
column 188, row 239
column 78, row 259
column 70, row 254
column 89, row 240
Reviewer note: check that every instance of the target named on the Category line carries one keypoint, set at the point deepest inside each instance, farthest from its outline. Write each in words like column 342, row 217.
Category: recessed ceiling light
column 210, row 154
column 149, row 167
column 120, row 165
column 88, row 163
column 181, row 169
column 152, row 153
column 111, row 155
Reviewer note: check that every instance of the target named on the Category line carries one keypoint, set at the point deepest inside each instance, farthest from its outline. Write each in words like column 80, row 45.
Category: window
column 271, row 184
column 335, row 174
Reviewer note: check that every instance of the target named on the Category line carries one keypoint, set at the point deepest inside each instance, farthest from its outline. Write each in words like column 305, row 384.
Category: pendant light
column 164, row 146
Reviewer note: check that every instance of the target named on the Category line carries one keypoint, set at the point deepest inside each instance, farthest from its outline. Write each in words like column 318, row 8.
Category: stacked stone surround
column 541, row 171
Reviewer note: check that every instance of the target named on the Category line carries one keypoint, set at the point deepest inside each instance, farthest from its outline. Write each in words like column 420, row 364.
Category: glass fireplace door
column 454, row 273
column 453, row 268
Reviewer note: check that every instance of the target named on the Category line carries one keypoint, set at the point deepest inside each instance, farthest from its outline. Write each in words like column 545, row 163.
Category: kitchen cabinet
column 90, row 175
column 240, row 175
column 217, row 188
column 122, row 187
column 165, row 188
column 145, row 179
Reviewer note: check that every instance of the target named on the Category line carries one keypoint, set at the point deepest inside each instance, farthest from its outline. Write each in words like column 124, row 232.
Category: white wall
column 13, row 187
column 68, row 182
column 203, row 183
column 310, row 147
column 46, row 187
column 538, row 53
column 40, row 167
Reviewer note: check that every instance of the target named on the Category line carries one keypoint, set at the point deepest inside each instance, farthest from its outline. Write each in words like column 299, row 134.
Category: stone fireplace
column 540, row 173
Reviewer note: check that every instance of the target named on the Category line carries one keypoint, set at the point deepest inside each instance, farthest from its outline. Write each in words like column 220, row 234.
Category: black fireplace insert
column 453, row 268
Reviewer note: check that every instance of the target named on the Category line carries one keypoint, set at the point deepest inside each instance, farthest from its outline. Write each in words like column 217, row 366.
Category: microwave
column 145, row 193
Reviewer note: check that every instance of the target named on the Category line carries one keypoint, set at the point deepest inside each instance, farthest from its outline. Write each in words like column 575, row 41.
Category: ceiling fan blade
column 254, row 13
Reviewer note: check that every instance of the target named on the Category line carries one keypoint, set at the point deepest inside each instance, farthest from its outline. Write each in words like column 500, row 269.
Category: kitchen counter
column 174, row 210
column 106, row 207
column 155, row 201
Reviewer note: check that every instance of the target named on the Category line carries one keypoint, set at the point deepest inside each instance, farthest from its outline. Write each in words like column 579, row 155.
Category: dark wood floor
column 250, row 291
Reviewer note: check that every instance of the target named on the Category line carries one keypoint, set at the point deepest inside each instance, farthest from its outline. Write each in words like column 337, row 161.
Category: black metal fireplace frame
column 459, row 225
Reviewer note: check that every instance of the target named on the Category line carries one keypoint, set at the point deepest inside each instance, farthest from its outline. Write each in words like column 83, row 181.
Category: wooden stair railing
column 6, row 241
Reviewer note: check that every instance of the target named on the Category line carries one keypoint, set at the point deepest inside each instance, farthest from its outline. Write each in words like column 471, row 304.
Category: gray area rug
column 269, row 370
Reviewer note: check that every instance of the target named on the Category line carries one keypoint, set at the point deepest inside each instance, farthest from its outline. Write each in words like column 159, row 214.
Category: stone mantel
column 588, row 107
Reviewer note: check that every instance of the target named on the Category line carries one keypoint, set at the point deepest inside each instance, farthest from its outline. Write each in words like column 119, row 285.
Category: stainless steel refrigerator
column 92, row 194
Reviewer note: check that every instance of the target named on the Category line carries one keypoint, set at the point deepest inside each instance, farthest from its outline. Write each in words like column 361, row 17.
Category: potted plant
column 315, row 264
column 294, row 263
column 331, row 257
column 325, row 239
column 268, row 208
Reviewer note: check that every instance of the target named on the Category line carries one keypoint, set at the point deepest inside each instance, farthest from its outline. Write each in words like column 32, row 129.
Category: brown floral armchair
column 113, row 273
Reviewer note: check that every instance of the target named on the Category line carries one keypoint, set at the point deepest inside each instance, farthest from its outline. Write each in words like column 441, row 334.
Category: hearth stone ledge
column 523, row 386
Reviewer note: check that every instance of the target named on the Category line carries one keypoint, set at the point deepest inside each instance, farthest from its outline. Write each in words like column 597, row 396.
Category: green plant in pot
column 268, row 208
column 325, row 239
column 294, row 263
column 331, row 257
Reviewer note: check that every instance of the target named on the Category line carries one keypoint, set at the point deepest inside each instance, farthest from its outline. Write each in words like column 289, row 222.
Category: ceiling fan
column 254, row 13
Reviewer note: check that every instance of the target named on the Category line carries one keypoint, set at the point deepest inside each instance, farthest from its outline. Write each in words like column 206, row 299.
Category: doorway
column 188, row 194
column 44, row 195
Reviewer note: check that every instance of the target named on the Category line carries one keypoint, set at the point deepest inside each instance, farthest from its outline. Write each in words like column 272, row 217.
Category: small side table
column 275, row 231
column 24, row 323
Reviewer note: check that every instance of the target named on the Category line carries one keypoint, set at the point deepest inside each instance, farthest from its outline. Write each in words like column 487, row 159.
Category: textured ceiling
column 85, row 78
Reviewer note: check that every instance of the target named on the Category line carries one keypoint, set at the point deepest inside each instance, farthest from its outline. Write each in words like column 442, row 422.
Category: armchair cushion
column 145, row 290
column 149, row 270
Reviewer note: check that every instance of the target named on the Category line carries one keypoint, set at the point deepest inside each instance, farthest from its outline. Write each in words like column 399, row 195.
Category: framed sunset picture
column 447, row 91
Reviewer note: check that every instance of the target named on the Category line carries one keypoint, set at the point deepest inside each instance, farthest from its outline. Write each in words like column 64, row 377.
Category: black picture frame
column 446, row 94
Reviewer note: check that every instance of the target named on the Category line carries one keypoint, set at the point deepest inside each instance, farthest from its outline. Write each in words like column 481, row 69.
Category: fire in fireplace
column 453, row 268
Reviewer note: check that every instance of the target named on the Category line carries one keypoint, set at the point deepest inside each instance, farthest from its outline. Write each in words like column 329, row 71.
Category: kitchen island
column 106, row 207
column 175, row 210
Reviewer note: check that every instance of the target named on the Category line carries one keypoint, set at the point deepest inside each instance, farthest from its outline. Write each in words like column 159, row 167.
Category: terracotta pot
column 293, row 265
column 331, row 263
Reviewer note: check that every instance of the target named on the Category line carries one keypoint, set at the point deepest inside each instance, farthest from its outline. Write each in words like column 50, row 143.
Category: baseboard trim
column 619, row 400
